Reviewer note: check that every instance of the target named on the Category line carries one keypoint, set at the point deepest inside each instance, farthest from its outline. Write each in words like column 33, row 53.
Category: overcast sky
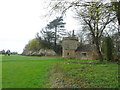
column 20, row 20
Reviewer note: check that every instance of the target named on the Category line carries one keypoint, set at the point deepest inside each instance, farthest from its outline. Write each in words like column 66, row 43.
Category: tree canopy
column 93, row 15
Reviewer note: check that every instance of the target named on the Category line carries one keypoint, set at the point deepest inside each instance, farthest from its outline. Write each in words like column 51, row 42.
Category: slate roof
column 85, row 48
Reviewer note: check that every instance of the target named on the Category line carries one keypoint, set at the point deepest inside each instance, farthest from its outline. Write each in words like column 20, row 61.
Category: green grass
column 26, row 73
column 71, row 75
column 0, row 74
column 18, row 57
column 46, row 72
column 0, row 71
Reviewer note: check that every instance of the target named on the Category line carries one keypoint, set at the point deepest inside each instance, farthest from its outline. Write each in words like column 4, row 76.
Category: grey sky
column 20, row 20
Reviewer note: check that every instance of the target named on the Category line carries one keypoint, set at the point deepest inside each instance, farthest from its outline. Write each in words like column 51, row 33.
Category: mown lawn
column 0, row 71
column 18, row 57
column 47, row 72
column 26, row 73
column 0, row 74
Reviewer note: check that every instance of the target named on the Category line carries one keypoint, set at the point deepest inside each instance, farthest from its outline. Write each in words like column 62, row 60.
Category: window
column 83, row 54
column 67, row 54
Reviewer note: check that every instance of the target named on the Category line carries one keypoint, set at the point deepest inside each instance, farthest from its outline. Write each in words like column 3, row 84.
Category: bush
column 107, row 48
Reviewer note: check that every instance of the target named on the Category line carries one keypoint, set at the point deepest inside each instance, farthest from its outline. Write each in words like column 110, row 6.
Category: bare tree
column 116, row 7
column 95, row 15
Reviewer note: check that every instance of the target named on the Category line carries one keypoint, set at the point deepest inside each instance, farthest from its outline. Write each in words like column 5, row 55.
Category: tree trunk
column 100, row 57
column 55, row 36
column 99, row 53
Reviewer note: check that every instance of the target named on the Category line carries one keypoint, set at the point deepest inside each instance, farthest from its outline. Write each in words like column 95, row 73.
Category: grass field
column 17, row 57
column 46, row 72
column 0, row 71
column 29, row 73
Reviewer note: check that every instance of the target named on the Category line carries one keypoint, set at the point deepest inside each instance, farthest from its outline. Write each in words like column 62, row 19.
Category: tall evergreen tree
column 47, row 34
column 58, row 25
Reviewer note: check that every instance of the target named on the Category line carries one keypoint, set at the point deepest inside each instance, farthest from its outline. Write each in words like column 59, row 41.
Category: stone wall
column 68, row 54
column 69, row 45
column 72, row 50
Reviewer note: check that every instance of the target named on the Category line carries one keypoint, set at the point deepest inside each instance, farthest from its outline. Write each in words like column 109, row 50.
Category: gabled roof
column 86, row 48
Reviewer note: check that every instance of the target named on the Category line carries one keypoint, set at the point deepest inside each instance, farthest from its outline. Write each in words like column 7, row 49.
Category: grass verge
column 84, row 74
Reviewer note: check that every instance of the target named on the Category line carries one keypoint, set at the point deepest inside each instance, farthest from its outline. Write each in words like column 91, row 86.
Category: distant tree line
column 8, row 52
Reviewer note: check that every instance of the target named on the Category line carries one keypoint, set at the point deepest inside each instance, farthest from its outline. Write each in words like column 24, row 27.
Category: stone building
column 71, row 49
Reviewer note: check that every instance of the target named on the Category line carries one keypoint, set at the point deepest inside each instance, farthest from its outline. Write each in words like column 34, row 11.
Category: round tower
column 69, row 45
